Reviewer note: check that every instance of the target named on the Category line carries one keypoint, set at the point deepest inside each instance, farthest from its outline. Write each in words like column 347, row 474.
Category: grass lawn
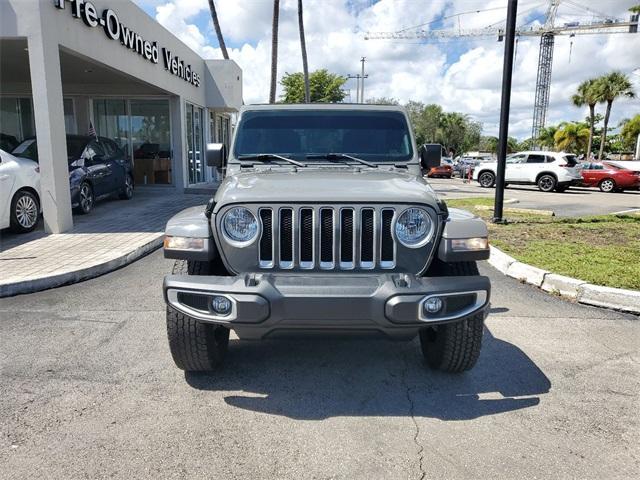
column 604, row 250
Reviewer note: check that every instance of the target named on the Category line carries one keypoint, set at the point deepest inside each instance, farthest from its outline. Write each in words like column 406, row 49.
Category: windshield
column 377, row 136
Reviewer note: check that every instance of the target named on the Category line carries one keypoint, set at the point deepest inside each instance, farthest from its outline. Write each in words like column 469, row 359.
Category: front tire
column 25, row 208
column 195, row 346
column 453, row 347
column 487, row 179
column 127, row 190
column 547, row 183
column 607, row 185
column 86, row 198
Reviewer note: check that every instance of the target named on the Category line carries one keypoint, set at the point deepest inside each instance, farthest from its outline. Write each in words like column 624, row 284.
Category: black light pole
column 507, row 71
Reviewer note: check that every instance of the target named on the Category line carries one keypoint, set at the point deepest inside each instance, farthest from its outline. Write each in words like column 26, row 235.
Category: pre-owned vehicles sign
column 116, row 30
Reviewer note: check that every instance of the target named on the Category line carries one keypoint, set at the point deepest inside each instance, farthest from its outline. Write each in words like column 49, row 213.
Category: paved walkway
column 116, row 233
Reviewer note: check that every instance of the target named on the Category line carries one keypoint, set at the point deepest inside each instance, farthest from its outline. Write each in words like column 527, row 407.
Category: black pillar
column 507, row 71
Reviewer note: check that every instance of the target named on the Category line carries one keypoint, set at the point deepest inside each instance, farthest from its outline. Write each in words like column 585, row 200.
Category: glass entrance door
column 195, row 143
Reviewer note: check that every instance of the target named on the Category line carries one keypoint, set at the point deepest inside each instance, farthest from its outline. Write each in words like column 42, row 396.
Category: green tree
column 382, row 101
column 587, row 94
column 635, row 9
column 572, row 137
column 324, row 87
column 527, row 144
column 425, row 120
column 609, row 88
column 489, row 144
column 452, row 130
column 546, row 137
column 472, row 136
column 629, row 132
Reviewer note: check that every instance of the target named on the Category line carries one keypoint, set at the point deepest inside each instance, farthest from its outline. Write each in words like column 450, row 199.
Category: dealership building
column 70, row 66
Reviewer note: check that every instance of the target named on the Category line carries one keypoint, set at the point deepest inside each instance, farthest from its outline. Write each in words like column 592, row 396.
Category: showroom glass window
column 142, row 129
column 111, row 121
column 151, row 141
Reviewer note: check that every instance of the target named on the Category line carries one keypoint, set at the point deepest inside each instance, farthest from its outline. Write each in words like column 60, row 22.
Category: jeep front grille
column 327, row 238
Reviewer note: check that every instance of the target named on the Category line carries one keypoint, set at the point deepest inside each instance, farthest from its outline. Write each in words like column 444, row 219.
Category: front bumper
column 263, row 304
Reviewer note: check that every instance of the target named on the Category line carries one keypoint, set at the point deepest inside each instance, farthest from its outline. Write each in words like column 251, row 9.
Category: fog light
column 221, row 305
column 432, row 305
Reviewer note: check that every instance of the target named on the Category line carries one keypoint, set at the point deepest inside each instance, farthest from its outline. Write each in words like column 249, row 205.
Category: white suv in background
column 548, row 170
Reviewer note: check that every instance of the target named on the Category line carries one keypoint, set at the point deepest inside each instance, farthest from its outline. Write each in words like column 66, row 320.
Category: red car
column 609, row 177
column 442, row 171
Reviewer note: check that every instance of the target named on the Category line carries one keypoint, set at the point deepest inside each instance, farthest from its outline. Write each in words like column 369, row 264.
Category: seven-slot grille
column 327, row 238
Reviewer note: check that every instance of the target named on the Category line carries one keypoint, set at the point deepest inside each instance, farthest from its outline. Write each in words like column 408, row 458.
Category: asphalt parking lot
column 576, row 201
column 88, row 390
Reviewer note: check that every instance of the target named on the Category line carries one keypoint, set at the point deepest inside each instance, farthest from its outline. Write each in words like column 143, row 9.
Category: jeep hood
column 324, row 186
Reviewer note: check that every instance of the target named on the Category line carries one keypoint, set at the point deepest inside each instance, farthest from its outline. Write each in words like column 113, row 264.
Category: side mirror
column 431, row 155
column 216, row 154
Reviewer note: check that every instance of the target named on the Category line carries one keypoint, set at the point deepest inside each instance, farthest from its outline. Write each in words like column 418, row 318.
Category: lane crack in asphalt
column 416, row 434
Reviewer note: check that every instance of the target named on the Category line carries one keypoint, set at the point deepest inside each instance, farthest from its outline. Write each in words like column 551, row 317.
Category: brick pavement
column 116, row 233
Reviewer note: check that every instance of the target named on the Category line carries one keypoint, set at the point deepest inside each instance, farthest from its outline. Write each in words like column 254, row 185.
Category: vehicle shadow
column 323, row 378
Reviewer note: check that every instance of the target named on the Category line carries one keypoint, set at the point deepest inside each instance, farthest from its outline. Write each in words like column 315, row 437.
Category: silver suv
column 324, row 224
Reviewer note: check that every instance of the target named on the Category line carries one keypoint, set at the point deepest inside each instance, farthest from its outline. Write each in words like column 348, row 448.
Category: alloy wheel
column 546, row 183
column 607, row 186
column 486, row 179
column 26, row 211
column 128, row 186
column 86, row 197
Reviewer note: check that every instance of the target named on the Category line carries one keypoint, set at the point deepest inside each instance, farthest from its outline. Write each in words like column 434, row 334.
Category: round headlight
column 414, row 227
column 240, row 225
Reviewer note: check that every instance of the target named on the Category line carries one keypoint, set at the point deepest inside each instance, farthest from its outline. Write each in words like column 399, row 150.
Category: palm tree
column 546, row 137
column 608, row 88
column 303, row 47
column 274, row 51
column 216, row 25
column 572, row 137
column 587, row 95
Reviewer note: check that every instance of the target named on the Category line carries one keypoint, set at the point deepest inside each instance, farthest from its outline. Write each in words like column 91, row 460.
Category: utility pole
column 357, row 77
column 507, row 73
column 363, row 76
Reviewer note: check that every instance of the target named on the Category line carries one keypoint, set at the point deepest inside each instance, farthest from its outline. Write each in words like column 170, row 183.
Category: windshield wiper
column 337, row 156
column 269, row 156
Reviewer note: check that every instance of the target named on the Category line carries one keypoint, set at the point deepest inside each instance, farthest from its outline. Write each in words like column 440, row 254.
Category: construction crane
column 547, row 33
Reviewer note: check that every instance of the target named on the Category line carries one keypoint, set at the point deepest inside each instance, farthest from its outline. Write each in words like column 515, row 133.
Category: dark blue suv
column 98, row 168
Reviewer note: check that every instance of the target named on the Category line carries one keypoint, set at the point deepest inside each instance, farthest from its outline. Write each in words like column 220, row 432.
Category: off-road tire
column 453, row 347
column 195, row 346
column 547, row 183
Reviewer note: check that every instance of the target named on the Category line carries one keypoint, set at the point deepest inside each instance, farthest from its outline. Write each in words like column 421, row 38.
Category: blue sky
column 460, row 75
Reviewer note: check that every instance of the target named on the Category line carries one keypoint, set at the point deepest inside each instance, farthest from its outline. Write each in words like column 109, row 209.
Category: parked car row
column 98, row 168
column 557, row 171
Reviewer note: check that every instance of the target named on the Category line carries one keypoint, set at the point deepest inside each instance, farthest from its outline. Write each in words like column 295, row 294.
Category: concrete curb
column 67, row 278
column 573, row 288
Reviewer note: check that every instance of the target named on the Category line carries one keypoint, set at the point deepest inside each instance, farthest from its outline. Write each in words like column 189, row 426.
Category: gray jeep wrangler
column 325, row 224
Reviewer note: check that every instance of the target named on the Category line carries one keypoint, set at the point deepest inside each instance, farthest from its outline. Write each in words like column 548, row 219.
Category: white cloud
column 461, row 76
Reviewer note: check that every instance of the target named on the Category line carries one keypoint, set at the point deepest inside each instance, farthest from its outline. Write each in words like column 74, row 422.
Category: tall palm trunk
column 303, row 47
column 216, row 25
column 274, row 51
column 603, row 139
column 592, row 118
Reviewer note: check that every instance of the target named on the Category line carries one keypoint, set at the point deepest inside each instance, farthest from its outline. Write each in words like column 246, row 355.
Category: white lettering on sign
column 116, row 30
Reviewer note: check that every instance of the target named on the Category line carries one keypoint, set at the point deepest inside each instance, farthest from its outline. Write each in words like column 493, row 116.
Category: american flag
column 92, row 131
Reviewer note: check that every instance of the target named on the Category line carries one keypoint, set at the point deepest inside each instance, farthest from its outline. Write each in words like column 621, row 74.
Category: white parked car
column 548, row 170
column 19, row 193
